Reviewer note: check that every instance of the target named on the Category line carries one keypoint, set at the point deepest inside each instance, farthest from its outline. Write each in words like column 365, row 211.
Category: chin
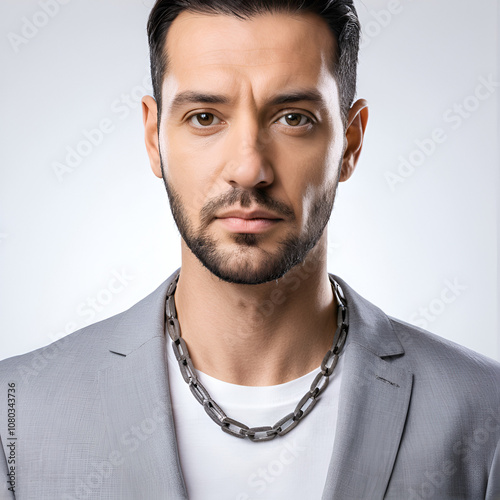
column 247, row 267
column 245, row 277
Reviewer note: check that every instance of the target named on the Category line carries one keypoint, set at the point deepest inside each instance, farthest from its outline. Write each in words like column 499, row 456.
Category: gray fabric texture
column 419, row 416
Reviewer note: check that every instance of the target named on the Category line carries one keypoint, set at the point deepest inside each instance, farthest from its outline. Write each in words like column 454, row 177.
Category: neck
column 257, row 335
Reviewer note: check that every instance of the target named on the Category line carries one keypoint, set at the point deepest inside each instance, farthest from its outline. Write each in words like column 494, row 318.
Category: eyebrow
column 192, row 97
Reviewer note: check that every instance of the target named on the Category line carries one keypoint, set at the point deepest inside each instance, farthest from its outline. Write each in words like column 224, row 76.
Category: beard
column 241, row 265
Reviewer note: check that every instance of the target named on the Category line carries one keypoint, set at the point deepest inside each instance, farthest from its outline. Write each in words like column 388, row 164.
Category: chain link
column 199, row 392
column 215, row 412
column 234, row 427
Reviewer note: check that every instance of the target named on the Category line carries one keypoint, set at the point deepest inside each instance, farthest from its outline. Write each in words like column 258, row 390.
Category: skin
column 293, row 154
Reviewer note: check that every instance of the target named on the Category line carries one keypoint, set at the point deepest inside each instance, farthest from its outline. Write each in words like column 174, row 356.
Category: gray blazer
column 419, row 417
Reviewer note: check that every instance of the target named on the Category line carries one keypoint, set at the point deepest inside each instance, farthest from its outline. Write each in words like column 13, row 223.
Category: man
column 322, row 395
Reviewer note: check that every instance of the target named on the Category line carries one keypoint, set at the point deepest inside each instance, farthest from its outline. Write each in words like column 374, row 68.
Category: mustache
column 244, row 198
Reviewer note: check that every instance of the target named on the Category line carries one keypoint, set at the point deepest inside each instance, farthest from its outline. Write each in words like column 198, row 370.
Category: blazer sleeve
column 5, row 493
column 493, row 490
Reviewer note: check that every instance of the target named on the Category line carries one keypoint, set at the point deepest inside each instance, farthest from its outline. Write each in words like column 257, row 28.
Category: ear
column 355, row 131
column 150, row 120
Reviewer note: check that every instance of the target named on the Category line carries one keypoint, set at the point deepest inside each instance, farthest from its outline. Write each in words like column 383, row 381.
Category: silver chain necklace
column 214, row 411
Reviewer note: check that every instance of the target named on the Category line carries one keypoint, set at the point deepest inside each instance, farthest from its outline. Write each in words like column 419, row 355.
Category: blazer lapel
column 138, row 411
column 374, row 399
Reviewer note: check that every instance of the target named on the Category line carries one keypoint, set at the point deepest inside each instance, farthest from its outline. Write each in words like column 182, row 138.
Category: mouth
column 248, row 225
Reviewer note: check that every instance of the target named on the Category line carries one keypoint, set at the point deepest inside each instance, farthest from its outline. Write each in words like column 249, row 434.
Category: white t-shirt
column 218, row 466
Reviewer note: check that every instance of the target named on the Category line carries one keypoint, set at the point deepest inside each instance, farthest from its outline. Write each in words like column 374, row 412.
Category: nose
column 248, row 163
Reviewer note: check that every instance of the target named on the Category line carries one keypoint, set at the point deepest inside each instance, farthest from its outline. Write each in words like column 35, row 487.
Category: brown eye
column 294, row 119
column 201, row 120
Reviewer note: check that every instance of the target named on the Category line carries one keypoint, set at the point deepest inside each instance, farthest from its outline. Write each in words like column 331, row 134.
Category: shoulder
column 451, row 379
column 87, row 350
column 445, row 374
column 427, row 351
column 77, row 351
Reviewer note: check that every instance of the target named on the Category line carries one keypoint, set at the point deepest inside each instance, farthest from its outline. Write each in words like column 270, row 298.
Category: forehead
column 271, row 49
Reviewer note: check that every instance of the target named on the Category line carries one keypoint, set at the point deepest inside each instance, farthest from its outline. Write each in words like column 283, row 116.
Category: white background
column 63, row 238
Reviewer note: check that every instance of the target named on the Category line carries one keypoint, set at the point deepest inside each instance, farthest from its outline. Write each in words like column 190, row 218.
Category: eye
column 294, row 119
column 200, row 120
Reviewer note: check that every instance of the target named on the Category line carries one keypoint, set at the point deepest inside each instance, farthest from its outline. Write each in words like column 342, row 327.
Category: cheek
column 309, row 171
column 189, row 169
column 305, row 167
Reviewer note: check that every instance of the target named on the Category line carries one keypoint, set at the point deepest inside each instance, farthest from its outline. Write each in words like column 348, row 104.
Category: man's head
column 250, row 118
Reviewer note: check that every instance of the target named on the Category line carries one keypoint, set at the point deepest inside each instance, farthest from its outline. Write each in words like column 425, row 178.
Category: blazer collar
column 371, row 326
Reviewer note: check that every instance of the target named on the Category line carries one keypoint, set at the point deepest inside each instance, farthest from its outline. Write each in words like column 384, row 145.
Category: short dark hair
column 340, row 15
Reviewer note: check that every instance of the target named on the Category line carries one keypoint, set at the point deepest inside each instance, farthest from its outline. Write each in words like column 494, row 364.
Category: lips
column 254, row 221
column 247, row 215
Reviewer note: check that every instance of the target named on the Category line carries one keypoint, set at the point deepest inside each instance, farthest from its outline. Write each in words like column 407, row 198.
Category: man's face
column 251, row 140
